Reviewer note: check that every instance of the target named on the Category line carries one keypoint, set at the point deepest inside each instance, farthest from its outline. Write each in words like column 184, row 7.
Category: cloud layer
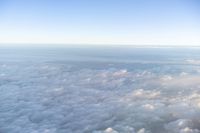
column 105, row 97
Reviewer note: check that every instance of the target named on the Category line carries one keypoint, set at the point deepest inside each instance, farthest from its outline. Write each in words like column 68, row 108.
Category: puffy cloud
column 192, row 61
column 181, row 126
column 75, row 97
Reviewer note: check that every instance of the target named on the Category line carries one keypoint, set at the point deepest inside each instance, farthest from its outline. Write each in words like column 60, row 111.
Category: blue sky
column 136, row 22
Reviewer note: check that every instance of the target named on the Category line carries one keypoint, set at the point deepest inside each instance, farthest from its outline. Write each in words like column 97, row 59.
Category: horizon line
column 92, row 45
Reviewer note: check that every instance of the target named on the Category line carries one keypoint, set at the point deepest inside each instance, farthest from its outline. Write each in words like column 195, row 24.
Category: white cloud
column 72, row 97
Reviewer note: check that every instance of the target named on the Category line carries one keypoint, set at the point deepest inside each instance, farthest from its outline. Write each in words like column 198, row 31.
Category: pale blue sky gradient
column 134, row 22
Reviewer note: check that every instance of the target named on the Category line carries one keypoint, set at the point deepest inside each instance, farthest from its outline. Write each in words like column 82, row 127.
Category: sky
column 106, row 22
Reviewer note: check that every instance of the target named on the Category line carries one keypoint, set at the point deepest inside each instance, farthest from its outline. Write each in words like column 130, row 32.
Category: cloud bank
column 83, row 97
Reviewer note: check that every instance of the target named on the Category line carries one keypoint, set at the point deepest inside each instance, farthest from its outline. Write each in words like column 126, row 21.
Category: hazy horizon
column 66, row 45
